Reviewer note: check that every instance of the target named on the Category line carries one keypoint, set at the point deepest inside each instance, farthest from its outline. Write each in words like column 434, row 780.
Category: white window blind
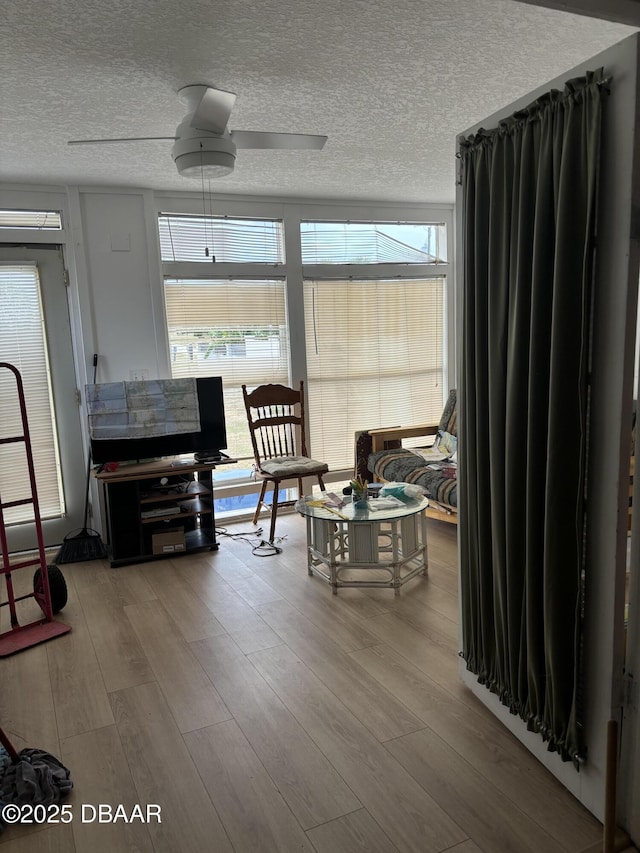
column 23, row 344
column 374, row 359
column 373, row 243
column 234, row 329
column 45, row 220
column 189, row 238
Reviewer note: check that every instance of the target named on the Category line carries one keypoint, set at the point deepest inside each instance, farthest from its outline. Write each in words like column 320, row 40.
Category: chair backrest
column 449, row 420
column 275, row 414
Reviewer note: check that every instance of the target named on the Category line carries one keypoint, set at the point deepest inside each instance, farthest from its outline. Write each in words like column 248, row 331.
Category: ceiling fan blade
column 213, row 109
column 264, row 139
column 124, row 139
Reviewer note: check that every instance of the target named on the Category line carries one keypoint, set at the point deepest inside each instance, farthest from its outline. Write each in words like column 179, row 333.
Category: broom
column 86, row 544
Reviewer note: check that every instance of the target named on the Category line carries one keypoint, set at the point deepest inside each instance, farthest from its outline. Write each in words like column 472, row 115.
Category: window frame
column 292, row 213
column 409, row 376
column 380, row 222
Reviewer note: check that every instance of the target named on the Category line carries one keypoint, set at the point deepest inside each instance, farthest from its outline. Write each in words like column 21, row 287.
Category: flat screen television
column 207, row 444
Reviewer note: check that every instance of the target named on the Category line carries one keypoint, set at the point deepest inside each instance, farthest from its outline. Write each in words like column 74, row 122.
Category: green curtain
column 529, row 202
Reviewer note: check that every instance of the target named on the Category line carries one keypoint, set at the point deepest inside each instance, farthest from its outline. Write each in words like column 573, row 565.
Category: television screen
column 208, row 442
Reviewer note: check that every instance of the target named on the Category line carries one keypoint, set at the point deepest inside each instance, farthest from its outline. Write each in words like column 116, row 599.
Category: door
column 615, row 289
column 37, row 339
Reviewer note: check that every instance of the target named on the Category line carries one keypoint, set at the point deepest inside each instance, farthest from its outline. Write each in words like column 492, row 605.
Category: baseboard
column 622, row 844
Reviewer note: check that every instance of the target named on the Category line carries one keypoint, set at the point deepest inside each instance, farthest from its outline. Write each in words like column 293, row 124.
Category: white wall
column 119, row 260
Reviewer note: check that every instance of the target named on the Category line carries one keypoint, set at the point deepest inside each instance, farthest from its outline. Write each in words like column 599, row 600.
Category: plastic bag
column 403, row 491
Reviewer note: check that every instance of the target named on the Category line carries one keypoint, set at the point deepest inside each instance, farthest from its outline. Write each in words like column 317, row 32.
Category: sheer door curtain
column 529, row 190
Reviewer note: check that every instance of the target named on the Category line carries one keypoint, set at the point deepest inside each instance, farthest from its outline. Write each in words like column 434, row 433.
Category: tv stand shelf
column 158, row 497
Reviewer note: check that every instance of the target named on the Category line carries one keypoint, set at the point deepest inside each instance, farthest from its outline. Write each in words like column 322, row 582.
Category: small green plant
column 359, row 487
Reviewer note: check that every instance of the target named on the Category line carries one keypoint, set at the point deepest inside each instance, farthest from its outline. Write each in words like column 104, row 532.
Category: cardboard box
column 169, row 541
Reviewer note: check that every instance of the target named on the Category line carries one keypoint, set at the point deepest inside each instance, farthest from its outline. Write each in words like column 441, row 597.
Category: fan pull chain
column 204, row 208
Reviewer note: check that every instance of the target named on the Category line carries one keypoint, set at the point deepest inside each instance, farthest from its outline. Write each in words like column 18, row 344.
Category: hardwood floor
column 263, row 713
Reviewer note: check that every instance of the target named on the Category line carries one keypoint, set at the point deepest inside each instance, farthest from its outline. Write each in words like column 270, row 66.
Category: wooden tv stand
column 139, row 506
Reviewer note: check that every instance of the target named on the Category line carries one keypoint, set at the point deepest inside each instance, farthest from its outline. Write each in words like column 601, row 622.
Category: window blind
column 374, row 359
column 372, row 243
column 234, row 329
column 45, row 220
column 187, row 238
column 23, row 344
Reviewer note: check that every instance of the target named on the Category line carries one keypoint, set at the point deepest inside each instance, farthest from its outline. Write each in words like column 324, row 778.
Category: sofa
column 379, row 452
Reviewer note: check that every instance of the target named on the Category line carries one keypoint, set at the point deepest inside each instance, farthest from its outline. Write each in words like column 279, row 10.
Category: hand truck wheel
column 57, row 588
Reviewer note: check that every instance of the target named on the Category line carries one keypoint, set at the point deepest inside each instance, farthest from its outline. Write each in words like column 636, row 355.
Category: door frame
column 49, row 260
column 68, row 201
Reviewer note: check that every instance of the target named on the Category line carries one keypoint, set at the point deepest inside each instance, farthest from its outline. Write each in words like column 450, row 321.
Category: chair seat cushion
column 292, row 466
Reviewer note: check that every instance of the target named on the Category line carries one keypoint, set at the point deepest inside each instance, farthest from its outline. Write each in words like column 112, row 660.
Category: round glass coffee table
column 366, row 547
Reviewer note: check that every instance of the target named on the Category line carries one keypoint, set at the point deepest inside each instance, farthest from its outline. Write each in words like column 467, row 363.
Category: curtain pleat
column 529, row 196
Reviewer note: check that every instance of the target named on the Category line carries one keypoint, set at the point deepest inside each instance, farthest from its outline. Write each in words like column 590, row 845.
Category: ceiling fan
column 203, row 147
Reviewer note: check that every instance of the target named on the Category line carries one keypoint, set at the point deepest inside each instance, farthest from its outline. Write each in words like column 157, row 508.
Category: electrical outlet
column 139, row 374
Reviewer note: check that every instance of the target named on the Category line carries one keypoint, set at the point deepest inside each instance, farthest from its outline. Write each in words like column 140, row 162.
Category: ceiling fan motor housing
column 204, row 156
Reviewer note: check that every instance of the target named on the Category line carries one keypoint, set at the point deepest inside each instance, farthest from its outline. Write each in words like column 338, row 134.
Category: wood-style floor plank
column 101, row 775
column 130, row 581
column 354, row 602
column 79, row 692
column 500, row 758
column 120, row 655
column 27, row 712
column 354, row 832
column 465, row 847
column 226, row 564
column 164, row 774
column 442, row 576
column 368, row 700
column 407, row 814
column 51, row 839
column 439, row 663
column 250, row 806
column 441, row 630
column 443, row 543
column 86, row 573
column 240, row 620
column 489, row 818
column 410, row 685
column 132, row 584
column 312, row 788
column 193, row 618
column 308, row 596
column 419, row 590
column 193, row 700
column 284, row 720
column 253, row 589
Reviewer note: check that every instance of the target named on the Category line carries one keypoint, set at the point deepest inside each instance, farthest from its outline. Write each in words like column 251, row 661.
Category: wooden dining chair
column 275, row 414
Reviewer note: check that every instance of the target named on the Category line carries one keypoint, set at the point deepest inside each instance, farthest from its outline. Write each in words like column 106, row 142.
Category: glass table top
column 349, row 512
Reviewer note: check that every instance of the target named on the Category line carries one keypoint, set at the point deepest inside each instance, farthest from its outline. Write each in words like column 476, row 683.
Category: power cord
column 266, row 549
column 259, row 547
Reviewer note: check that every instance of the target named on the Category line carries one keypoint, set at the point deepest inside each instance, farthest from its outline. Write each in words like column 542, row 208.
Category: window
column 372, row 243
column 374, row 358
column 23, row 344
column 225, row 240
column 236, row 329
column 236, row 326
column 359, row 313
column 45, row 220
column 375, row 335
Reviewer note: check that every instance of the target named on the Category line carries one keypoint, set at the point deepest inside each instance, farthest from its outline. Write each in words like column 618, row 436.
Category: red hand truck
column 20, row 637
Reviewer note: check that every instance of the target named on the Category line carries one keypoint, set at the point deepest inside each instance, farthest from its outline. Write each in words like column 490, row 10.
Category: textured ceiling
column 389, row 81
